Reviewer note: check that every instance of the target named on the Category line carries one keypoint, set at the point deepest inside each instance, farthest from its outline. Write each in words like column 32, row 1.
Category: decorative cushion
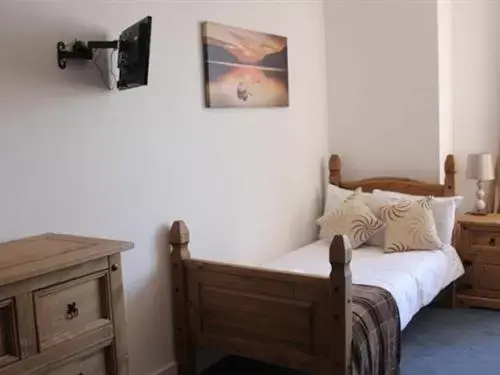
column 376, row 203
column 410, row 226
column 443, row 209
column 353, row 218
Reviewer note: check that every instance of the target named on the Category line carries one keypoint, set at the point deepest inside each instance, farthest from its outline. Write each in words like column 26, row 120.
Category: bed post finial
column 341, row 309
column 449, row 175
column 184, row 347
column 335, row 165
column 179, row 239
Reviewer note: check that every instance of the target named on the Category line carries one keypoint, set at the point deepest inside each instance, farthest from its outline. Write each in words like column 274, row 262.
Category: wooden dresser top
column 490, row 219
column 33, row 256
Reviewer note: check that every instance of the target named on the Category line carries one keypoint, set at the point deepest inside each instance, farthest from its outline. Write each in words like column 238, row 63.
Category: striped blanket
column 376, row 336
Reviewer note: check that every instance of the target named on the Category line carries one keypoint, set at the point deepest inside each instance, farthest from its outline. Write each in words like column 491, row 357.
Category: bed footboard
column 295, row 320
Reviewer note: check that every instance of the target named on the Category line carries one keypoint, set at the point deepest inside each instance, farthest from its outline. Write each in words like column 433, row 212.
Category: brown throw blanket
column 376, row 332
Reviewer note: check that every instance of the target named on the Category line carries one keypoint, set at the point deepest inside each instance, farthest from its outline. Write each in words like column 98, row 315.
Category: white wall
column 420, row 75
column 76, row 158
column 383, row 87
column 476, row 82
column 445, row 64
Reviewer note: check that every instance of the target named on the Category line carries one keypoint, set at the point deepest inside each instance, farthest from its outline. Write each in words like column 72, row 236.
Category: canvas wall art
column 244, row 68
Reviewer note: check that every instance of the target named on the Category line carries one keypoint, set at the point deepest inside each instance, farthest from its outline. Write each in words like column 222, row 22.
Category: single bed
column 413, row 278
column 298, row 312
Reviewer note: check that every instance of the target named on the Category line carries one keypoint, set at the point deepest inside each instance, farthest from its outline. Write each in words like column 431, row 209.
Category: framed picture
column 244, row 68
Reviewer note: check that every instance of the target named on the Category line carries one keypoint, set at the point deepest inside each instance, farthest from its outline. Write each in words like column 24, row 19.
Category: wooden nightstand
column 479, row 248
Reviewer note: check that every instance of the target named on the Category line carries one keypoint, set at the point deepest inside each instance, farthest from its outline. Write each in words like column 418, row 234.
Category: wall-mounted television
column 133, row 55
column 133, row 48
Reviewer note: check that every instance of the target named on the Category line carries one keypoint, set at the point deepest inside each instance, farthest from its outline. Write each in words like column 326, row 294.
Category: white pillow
column 335, row 196
column 443, row 209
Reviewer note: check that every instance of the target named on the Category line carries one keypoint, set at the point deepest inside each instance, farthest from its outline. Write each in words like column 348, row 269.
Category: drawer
column 67, row 310
column 487, row 277
column 8, row 333
column 485, row 239
column 90, row 364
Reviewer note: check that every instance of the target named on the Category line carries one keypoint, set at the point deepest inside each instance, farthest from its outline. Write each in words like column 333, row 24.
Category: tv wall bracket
column 80, row 50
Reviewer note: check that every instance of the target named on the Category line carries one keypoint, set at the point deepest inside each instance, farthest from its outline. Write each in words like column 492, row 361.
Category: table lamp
column 480, row 168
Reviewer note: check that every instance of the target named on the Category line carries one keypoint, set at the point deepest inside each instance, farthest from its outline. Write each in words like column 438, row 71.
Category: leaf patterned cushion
column 443, row 209
column 410, row 225
column 353, row 218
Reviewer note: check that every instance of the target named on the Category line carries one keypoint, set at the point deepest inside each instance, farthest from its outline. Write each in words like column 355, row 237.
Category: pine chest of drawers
column 61, row 306
column 479, row 248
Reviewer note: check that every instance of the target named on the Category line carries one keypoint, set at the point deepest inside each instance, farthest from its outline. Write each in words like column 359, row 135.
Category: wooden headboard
column 401, row 185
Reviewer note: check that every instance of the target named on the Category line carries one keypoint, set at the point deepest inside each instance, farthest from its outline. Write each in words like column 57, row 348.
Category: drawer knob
column 114, row 267
column 492, row 241
column 72, row 311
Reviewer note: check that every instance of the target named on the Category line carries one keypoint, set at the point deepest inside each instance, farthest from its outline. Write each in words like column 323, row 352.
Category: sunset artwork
column 244, row 68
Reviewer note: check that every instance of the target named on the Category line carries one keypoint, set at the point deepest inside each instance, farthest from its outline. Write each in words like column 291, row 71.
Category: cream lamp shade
column 480, row 168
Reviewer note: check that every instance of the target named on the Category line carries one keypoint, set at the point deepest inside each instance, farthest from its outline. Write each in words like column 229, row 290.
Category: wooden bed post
column 340, row 298
column 449, row 176
column 184, row 346
column 335, row 165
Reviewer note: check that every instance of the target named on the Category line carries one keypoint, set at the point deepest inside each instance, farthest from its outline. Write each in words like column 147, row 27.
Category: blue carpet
column 437, row 342
column 458, row 342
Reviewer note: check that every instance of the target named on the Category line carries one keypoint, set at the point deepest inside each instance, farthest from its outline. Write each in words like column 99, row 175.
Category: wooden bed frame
column 299, row 321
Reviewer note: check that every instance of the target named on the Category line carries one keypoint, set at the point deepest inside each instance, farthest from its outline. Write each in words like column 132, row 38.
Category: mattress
column 413, row 278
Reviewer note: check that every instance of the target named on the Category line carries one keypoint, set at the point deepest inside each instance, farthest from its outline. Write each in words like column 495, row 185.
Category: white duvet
column 413, row 278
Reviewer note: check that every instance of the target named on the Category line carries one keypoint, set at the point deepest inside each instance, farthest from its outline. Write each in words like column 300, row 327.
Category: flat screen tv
column 133, row 55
